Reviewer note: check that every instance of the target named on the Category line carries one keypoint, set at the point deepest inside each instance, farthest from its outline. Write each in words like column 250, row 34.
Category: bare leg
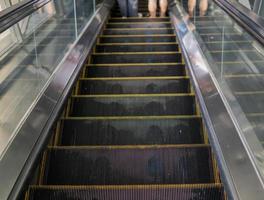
column 152, row 6
column 163, row 7
column 191, row 6
column 203, row 7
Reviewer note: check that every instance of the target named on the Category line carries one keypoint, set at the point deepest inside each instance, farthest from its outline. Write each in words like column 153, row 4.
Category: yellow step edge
column 243, row 75
column 134, row 95
column 133, row 64
column 220, row 33
column 112, row 147
column 254, row 114
column 138, row 53
column 138, row 18
column 130, row 23
column 135, row 78
column 137, row 43
column 233, row 51
column 239, row 62
column 125, row 187
column 220, row 41
column 249, row 93
column 135, row 29
column 133, row 36
column 158, row 117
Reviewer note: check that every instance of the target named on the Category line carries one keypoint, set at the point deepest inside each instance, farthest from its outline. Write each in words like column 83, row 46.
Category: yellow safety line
column 137, row 43
column 133, row 95
column 135, row 78
column 239, row 62
column 133, row 36
column 243, row 75
column 220, row 41
column 125, row 187
column 129, row 23
column 219, row 33
column 133, row 64
column 254, row 114
column 249, row 93
column 137, row 29
column 233, row 51
column 42, row 168
column 57, row 132
column 113, row 147
column 137, row 53
column 158, row 117
column 27, row 194
column 137, row 18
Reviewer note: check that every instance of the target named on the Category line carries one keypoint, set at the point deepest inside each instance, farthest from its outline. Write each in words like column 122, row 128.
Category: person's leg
column 191, row 7
column 152, row 6
column 203, row 7
column 163, row 7
column 123, row 7
column 132, row 8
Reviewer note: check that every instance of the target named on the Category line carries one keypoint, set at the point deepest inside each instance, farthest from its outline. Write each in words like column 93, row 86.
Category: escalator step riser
column 134, row 86
column 246, row 84
column 137, row 58
column 133, row 106
column 214, row 29
column 137, row 48
column 146, row 166
column 147, row 20
column 138, row 25
column 229, row 46
column 137, row 39
column 197, row 193
column 133, row 71
column 138, row 31
column 257, row 123
column 131, row 132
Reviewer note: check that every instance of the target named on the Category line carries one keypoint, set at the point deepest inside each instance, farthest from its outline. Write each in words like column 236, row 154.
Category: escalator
column 132, row 128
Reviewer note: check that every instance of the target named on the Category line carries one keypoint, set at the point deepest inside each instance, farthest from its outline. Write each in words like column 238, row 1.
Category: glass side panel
column 237, row 61
column 30, row 52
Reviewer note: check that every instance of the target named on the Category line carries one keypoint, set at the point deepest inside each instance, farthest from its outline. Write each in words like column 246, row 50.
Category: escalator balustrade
column 132, row 128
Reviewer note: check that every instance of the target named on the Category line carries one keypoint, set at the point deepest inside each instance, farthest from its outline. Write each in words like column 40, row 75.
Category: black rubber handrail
column 253, row 23
column 19, row 11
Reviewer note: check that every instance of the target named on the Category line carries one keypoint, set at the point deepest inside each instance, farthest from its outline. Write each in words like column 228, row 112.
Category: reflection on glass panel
column 30, row 52
column 237, row 61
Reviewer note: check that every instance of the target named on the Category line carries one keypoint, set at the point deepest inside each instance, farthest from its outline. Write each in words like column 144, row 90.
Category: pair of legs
column 152, row 6
column 202, row 7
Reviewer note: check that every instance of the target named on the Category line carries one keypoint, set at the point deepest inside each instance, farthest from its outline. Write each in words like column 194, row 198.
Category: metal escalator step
column 141, row 57
column 134, row 85
column 220, row 46
column 135, row 192
column 141, row 70
column 179, row 130
column 223, row 37
column 254, row 98
column 116, row 165
column 139, row 19
column 137, row 47
column 137, row 38
column 139, row 25
column 139, row 31
column 235, row 56
column 130, row 105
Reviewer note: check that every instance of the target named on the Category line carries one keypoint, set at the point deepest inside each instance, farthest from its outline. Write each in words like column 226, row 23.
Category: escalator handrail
column 15, row 13
column 252, row 22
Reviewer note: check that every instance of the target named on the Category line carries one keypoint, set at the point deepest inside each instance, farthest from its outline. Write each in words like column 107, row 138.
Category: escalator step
column 132, row 131
column 146, row 57
column 139, row 25
column 137, row 47
column 139, row 19
column 134, row 85
column 136, row 38
column 88, row 165
column 140, row 192
column 136, row 70
column 130, row 105
column 139, row 31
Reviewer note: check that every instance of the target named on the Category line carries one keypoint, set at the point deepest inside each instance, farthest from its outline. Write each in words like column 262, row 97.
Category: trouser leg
column 191, row 6
column 203, row 7
column 152, row 6
column 163, row 7
column 123, row 7
column 132, row 8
